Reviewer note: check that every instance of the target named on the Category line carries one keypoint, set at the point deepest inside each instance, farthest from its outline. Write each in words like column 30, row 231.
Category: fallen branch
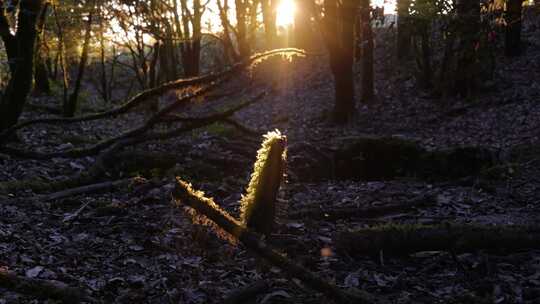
column 72, row 216
column 94, row 149
column 185, row 195
column 195, row 123
column 90, row 176
column 399, row 240
column 86, row 189
column 363, row 212
column 106, row 160
column 145, row 95
column 215, row 117
column 42, row 288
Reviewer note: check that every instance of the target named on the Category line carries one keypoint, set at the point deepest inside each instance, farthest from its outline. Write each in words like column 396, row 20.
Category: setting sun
column 285, row 12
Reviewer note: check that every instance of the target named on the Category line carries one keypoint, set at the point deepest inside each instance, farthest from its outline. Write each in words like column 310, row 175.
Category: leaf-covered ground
column 131, row 245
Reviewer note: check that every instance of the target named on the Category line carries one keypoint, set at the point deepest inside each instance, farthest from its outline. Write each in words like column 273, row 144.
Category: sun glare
column 285, row 13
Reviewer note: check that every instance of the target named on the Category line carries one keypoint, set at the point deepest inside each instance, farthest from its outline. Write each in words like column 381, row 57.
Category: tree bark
column 191, row 47
column 302, row 25
column 397, row 240
column 403, row 29
column 73, row 102
column 466, row 77
column 512, row 43
column 242, row 29
column 41, row 76
column 269, row 21
column 368, row 91
column 339, row 38
column 20, row 49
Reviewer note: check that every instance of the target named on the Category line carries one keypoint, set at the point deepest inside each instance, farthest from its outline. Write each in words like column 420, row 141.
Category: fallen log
column 42, row 288
column 363, row 212
column 399, row 240
column 387, row 158
column 185, row 195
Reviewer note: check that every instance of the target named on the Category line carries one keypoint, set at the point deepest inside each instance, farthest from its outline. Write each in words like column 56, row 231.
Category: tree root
column 399, row 240
column 185, row 195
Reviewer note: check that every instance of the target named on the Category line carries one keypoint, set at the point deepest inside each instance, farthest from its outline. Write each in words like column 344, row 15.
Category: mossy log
column 397, row 240
column 386, row 158
column 42, row 288
column 40, row 185
column 185, row 195
column 258, row 206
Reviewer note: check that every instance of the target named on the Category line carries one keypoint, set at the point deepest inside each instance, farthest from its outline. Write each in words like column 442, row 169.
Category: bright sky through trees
column 285, row 12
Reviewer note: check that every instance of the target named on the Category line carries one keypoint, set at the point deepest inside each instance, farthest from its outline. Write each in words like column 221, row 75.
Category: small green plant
column 258, row 206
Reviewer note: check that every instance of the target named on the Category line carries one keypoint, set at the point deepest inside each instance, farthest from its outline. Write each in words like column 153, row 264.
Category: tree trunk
column 302, row 25
column 269, row 20
column 367, row 53
column 403, row 29
column 443, row 79
column 512, row 43
column 72, row 104
column 339, row 40
column 423, row 53
column 20, row 50
column 399, row 240
column 228, row 46
column 466, row 76
column 104, row 84
column 61, row 57
column 241, row 29
column 41, row 76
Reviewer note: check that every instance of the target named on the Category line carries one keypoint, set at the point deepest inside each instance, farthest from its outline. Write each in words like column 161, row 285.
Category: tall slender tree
column 72, row 104
column 41, row 76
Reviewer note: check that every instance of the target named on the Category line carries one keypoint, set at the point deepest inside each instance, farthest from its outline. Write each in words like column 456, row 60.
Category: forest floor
column 131, row 245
